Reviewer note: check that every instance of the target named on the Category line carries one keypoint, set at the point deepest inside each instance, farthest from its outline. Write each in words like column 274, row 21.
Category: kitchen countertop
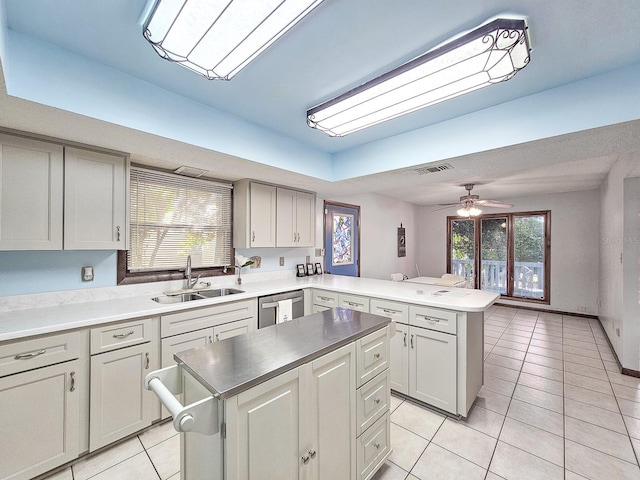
column 46, row 320
column 239, row 363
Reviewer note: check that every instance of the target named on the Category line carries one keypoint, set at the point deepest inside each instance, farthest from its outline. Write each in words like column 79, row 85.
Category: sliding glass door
column 507, row 254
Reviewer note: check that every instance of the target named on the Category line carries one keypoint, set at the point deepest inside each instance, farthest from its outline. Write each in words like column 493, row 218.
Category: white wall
column 619, row 209
column 380, row 218
column 574, row 246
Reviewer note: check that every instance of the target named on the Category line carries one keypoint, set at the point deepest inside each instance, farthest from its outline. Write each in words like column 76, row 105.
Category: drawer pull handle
column 312, row 454
column 305, row 459
column 405, row 339
column 389, row 311
column 27, row 356
column 376, row 355
column 123, row 335
column 325, row 299
column 429, row 319
column 146, row 361
column 377, row 445
column 253, row 236
column 411, row 340
column 377, row 401
column 73, row 381
column 117, row 234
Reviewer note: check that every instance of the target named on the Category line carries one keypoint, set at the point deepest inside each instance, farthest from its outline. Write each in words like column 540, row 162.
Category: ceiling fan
column 469, row 204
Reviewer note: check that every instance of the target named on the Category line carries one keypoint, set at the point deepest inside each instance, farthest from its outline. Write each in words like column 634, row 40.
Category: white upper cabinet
column 254, row 215
column 31, row 192
column 296, row 218
column 95, row 206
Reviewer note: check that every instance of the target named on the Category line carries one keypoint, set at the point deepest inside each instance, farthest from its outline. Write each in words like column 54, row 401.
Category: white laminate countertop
column 45, row 320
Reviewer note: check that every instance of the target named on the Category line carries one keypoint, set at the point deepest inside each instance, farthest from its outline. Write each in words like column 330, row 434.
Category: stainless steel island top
column 236, row 364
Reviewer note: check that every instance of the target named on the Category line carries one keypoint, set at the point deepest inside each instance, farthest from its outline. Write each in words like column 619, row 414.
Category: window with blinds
column 173, row 216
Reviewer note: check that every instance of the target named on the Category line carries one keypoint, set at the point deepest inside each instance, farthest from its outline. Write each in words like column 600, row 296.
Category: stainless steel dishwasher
column 268, row 307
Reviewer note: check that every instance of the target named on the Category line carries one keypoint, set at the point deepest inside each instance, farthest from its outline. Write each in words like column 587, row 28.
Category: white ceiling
column 340, row 45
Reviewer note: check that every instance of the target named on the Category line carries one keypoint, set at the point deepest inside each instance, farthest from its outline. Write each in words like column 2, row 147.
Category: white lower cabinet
column 119, row 405
column 42, row 405
column 399, row 379
column 304, row 418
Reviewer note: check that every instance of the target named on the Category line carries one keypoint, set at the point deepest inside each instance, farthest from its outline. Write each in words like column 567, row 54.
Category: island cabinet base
column 327, row 418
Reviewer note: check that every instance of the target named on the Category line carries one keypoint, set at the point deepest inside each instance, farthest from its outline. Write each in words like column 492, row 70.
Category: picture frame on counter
column 310, row 270
column 300, row 270
column 318, row 269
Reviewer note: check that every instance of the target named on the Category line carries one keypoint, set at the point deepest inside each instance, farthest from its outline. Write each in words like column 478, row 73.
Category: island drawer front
column 29, row 354
column 396, row 311
column 433, row 319
column 373, row 400
column 183, row 322
column 354, row 302
column 119, row 335
column 326, row 299
column 373, row 447
column 372, row 355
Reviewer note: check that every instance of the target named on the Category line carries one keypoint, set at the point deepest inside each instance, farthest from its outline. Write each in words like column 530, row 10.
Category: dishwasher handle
column 275, row 304
column 200, row 416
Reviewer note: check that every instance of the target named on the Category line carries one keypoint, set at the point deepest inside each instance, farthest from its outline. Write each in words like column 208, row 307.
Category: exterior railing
column 528, row 276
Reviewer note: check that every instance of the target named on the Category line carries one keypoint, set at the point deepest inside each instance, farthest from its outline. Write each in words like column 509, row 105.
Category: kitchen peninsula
column 435, row 357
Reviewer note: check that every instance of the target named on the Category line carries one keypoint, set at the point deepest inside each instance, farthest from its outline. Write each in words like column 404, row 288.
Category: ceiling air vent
column 190, row 171
column 434, row 168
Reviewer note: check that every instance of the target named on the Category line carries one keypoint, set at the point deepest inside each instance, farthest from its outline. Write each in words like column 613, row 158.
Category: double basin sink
column 193, row 296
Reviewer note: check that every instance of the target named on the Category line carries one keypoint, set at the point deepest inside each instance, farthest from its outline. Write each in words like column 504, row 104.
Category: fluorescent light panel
column 490, row 54
column 217, row 38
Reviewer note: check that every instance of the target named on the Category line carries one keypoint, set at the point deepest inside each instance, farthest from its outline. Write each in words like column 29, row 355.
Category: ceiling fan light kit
column 492, row 53
column 217, row 38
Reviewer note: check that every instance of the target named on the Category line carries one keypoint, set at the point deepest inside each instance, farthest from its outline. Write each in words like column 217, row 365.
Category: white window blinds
column 173, row 216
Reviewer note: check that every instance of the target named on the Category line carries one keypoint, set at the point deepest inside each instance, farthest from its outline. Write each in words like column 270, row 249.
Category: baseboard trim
column 546, row 310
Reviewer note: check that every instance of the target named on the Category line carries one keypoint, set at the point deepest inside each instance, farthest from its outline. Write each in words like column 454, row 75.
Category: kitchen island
column 307, row 398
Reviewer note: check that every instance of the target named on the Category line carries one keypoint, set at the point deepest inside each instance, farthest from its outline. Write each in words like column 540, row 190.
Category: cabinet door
column 119, row 404
column 399, row 365
column 263, row 432
column 39, row 421
column 232, row 329
column 432, row 368
column 332, row 414
column 305, row 219
column 94, row 201
column 287, row 234
column 263, row 215
column 31, row 192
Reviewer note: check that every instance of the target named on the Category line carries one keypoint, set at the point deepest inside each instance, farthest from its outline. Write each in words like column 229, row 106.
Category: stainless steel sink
column 219, row 292
column 190, row 297
column 183, row 297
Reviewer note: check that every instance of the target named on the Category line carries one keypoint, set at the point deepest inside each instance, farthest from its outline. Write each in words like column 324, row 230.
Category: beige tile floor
column 553, row 406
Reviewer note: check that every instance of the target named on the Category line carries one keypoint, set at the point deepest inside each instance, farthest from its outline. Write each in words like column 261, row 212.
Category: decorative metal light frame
column 492, row 53
column 217, row 38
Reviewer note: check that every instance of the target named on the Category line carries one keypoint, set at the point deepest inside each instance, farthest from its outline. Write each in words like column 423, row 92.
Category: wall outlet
column 582, row 309
column 282, row 261
column 319, row 252
column 87, row 274
column 308, row 259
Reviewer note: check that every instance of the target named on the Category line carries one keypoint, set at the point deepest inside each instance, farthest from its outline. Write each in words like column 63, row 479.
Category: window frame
column 546, row 300
column 126, row 277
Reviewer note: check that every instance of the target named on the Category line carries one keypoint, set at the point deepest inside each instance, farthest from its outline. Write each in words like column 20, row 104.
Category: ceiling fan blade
column 450, row 205
column 455, row 204
column 493, row 203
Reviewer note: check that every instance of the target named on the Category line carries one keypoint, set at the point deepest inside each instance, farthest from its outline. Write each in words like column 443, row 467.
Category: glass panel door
column 463, row 250
column 528, row 256
column 493, row 252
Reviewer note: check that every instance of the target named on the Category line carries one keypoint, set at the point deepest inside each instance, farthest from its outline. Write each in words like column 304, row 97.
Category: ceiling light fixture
column 217, row 38
column 469, row 211
column 490, row 54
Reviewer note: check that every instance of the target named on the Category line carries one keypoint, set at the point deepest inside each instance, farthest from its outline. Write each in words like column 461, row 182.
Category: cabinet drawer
column 39, row 352
column 396, row 311
column 433, row 319
column 373, row 355
column 373, row 400
column 118, row 335
column 176, row 323
column 373, row 447
column 354, row 302
column 325, row 299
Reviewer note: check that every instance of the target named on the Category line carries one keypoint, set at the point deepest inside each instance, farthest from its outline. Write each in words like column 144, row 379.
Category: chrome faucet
column 187, row 273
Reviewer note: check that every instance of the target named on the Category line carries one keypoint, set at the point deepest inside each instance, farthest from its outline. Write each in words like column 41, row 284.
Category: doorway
column 342, row 239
